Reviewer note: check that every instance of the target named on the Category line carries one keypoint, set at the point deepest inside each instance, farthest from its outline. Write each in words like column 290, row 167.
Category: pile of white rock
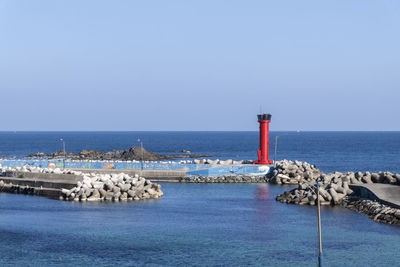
column 332, row 190
column 95, row 186
column 112, row 187
column 293, row 172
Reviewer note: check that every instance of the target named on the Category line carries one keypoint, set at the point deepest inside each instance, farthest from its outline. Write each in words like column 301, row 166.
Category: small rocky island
column 133, row 153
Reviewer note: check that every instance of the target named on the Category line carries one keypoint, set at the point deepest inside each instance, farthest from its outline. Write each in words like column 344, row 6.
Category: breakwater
column 112, row 187
column 288, row 172
column 374, row 210
column 76, row 185
column 191, row 165
column 335, row 189
column 165, row 171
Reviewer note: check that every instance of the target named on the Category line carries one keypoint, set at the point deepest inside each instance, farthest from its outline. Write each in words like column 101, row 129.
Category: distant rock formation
column 133, row 153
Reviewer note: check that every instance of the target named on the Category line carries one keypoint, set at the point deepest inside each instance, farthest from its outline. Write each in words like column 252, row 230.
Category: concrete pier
column 50, row 184
column 152, row 175
column 19, row 179
column 41, row 184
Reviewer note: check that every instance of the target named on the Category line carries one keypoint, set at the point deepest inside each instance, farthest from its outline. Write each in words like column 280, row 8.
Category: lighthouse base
column 263, row 162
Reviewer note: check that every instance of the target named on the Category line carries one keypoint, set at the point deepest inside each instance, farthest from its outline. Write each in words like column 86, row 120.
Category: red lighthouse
column 263, row 152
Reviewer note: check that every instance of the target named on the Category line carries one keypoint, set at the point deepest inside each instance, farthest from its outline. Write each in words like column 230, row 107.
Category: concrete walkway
column 152, row 175
column 385, row 193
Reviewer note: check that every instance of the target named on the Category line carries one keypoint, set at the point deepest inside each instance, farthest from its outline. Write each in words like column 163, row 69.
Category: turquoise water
column 192, row 225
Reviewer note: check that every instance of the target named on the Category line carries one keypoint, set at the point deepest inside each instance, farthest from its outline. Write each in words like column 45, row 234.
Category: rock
column 103, row 193
column 115, row 187
column 96, row 193
column 124, row 187
column 375, row 178
column 124, row 197
column 66, row 192
column 390, row 179
column 397, row 177
column 334, row 195
column 304, row 201
column 325, row 194
column 366, row 179
column 97, row 185
column 132, row 193
column 277, row 180
column 353, row 180
column 116, row 195
column 93, row 199
column 358, row 175
column 341, row 190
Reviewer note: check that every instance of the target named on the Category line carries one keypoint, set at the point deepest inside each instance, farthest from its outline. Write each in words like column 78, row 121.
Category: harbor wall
column 153, row 169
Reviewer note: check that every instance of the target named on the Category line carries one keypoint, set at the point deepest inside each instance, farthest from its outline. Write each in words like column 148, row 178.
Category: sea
column 201, row 224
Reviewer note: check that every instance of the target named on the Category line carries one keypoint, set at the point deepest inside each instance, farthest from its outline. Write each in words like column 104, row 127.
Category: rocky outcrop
column 133, row 153
column 112, row 187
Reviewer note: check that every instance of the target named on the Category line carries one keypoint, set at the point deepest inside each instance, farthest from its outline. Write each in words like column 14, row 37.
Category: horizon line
column 111, row 131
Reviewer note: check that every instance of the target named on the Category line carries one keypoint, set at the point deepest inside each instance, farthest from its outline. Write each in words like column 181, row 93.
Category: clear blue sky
column 199, row 65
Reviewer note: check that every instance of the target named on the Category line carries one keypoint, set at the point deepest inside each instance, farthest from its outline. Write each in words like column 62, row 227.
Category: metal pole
column 276, row 146
column 141, row 144
column 65, row 153
column 319, row 221
column 319, row 229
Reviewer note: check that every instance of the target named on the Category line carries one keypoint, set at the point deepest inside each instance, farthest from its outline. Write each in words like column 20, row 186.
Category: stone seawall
column 112, row 187
column 374, row 210
column 75, row 185
column 334, row 189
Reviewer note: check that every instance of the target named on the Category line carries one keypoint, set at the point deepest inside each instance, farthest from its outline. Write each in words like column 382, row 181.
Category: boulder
column 366, row 179
column 97, row 185
column 124, row 187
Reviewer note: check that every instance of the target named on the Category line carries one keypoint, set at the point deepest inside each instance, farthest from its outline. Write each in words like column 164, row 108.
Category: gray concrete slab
column 152, row 175
column 385, row 193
